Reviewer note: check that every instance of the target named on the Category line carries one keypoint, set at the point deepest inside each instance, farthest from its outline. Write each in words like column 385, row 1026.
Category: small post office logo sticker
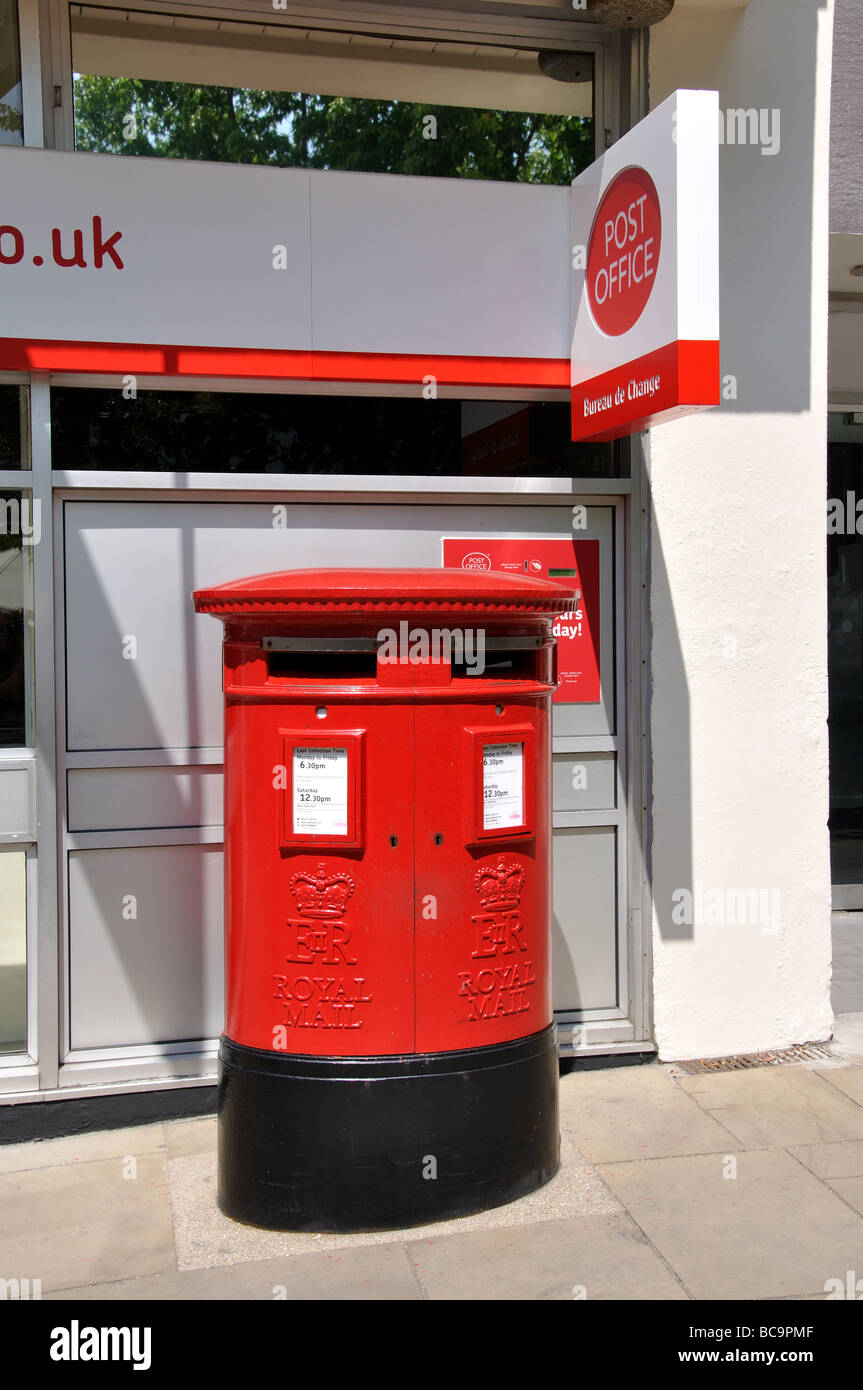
column 623, row 251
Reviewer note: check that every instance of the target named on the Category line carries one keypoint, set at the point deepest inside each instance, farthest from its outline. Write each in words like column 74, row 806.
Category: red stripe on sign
column 47, row 355
column 675, row 380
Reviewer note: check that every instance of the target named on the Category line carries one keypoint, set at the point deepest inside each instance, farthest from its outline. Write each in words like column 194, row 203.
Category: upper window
column 11, row 121
column 20, row 530
column 273, row 94
column 13, row 440
column 213, row 432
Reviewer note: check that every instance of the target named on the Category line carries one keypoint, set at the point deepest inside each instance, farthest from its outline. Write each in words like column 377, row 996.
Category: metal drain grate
column 801, row 1052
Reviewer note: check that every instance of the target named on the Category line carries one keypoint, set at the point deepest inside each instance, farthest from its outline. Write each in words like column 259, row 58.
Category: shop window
column 11, row 119
column 13, row 427
column 332, row 100
column 20, row 530
column 13, row 951
column 212, row 432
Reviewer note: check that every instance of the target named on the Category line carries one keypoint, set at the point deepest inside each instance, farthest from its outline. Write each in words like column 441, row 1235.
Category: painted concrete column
column 738, row 699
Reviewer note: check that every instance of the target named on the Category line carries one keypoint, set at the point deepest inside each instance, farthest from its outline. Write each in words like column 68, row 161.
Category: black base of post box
column 376, row 1143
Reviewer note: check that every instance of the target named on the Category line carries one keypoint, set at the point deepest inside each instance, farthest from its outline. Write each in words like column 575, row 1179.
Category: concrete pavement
column 741, row 1184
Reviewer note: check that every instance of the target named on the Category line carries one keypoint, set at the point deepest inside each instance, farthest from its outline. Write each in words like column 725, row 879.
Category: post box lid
column 370, row 590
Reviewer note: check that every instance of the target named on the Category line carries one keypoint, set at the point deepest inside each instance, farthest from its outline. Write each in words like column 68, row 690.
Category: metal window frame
column 49, row 30
column 19, row 1069
column 588, row 1032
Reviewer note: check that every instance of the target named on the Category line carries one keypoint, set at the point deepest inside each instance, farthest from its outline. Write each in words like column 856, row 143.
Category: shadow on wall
column 669, row 908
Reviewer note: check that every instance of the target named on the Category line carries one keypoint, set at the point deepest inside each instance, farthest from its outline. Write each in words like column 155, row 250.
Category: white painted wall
column 737, row 575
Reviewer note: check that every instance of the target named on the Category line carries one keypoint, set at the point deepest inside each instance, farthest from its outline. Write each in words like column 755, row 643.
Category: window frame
column 612, row 49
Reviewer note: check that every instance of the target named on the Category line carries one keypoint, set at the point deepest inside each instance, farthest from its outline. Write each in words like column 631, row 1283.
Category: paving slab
column 774, row 1107
column 592, row 1257
column 207, row 1238
column 635, row 1112
column 87, row 1223
column 196, row 1136
column 772, row 1231
column 851, row 1191
column 849, row 1080
column 81, row 1148
column 829, row 1161
column 373, row 1272
column 848, row 1035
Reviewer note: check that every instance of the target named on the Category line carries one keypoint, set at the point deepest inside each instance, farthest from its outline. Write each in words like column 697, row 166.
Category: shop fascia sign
column 645, row 283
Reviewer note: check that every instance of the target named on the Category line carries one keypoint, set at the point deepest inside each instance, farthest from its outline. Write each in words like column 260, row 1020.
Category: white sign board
column 179, row 267
column 502, row 785
column 320, row 791
column 645, row 288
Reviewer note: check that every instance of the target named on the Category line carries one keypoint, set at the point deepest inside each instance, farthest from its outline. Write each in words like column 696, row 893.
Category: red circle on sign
column 623, row 251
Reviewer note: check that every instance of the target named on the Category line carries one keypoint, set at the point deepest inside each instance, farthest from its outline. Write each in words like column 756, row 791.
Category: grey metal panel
column 590, row 743
column 847, row 897
column 134, row 1070
column 146, row 757
column 16, row 803
column 583, row 781
column 131, row 629
column 322, row 487
column 584, row 950
column 155, row 977
column 567, row 819
column 143, row 839
column 138, row 798
column 13, row 952
column 45, row 985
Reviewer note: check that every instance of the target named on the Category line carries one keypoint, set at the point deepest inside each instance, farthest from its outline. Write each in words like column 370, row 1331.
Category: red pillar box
column 389, row 1056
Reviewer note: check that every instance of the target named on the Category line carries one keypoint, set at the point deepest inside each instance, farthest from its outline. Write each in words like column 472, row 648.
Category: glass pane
column 302, row 130
column 845, row 646
column 11, row 121
column 334, row 100
column 209, row 432
column 19, row 532
column 12, row 437
column 13, row 951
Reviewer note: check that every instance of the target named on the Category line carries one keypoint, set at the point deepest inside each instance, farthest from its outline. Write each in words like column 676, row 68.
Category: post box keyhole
column 438, row 839
column 394, row 839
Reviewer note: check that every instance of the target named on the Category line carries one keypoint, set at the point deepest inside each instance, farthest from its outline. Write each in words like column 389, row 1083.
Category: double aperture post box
column 389, row 1055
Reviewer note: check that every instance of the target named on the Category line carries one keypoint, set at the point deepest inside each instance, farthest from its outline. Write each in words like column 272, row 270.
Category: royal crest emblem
column 500, row 887
column 321, row 894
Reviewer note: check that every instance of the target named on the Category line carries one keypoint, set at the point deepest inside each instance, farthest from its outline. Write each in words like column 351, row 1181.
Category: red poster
column 577, row 630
